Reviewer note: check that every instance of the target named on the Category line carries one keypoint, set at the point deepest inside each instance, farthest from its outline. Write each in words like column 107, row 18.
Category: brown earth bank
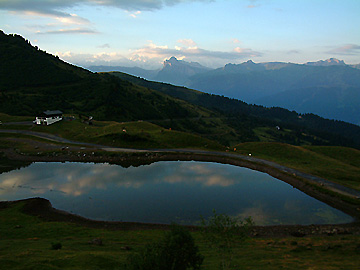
column 80, row 154
column 43, row 209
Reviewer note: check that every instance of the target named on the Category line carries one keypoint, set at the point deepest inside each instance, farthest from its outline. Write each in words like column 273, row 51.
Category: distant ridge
column 135, row 71
column 330, row 88
column 178, row 72
column 328, row 62
column 174, row 71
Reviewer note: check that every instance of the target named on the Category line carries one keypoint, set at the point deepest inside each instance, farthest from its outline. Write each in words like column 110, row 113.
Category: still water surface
column 165, row 192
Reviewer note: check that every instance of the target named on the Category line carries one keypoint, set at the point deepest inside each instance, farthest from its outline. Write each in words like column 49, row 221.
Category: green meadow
column 27, row 242
column 338, row 164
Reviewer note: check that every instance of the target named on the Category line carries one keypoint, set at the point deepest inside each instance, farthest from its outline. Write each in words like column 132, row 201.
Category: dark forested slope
column 32, row 81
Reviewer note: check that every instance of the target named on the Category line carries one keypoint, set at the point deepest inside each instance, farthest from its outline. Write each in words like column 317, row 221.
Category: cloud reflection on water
column 75, row 179
column 164, row 190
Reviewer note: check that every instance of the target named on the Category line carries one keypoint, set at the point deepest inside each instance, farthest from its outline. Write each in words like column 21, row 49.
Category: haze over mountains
column 329, row 88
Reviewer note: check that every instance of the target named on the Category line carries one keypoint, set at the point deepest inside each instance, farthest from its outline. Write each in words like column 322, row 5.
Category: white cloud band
column 152, row 56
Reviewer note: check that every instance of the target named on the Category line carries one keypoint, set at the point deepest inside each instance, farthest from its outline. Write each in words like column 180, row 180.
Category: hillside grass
column 135, row 134
column 338, row 164
column 4, row 118
column 139, row 134
column 26, row 243
column 212, row 128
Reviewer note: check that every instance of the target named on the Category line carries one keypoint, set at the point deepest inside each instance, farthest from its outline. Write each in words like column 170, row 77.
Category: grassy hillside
column 27, row 243
column 11, row 118
column 137, row 134
column 337, row 164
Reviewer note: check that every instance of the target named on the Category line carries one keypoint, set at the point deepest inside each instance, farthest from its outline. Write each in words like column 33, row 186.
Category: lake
column 165, row 192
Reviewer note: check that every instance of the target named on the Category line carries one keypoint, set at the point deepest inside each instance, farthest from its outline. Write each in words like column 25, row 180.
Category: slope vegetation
column 250, row 119
column 33, row 81
column 316, row 160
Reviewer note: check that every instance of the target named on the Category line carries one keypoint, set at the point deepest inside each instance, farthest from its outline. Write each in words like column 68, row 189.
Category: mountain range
column 32, row 81
column 174, row 71
column 329, row 88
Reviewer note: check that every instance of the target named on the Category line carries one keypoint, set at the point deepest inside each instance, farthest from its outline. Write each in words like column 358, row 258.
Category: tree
column 223, row 233
column 176, row 251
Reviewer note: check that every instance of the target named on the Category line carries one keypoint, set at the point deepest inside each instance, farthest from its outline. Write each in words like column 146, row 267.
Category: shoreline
column 306, row 185
column 42, row 208
column 126, row 159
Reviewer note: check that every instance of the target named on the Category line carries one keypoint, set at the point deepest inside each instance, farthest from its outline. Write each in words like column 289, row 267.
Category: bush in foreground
column 176, row 251
column 223, row 232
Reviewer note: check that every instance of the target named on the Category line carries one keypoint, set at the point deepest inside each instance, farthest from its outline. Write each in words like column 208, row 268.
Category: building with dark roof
column 48, row 117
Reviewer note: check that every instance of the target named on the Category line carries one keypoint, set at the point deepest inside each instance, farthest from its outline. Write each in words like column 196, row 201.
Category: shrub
column 223, row 233
column 56, row 246
column 176, row 251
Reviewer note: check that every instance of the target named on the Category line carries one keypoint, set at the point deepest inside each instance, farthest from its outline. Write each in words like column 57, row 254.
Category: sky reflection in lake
column 166, row 192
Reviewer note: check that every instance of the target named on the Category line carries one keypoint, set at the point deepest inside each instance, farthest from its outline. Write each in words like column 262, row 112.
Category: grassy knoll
column 130, row 134
column 139, row 134
column 337, row 164
column 26, row 243
column 10, row 118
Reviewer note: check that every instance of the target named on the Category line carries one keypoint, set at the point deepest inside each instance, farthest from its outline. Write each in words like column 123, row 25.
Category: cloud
column 70, row 31
column 349, row 49
column 187, row 42
column 102, row 58
column 153, row 51
column 56, row 9
column 253, row 4
column 77, row 179
column 135, row 14
column 53, row 6
column 103, row 46
column 41, row 7
column 72, row 19
column 293, row 52
column 62, row 17
column 151, row 56
column 66, row 23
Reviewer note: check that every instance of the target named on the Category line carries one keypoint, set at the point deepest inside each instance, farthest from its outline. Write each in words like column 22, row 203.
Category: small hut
column 48, row 117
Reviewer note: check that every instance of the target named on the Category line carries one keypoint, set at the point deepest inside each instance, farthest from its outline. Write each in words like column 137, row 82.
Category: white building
column 48, row 118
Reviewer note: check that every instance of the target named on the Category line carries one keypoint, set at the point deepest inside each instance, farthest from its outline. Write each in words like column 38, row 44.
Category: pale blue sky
column 212, row 32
